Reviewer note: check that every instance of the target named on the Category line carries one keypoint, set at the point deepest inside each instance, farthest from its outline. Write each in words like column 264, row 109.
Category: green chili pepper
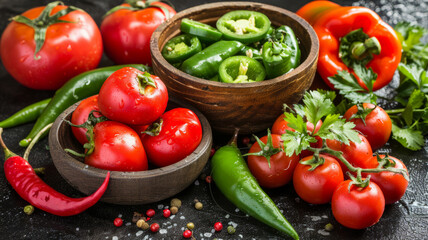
column 181, row 48
column 205, row 63
column 276, row 58
column 232, row 176
column 79, row 87
column 203, row 31
column 251, row 53
column 241, row 69
column 244, row 26
column 286, row 35
column 28, row 114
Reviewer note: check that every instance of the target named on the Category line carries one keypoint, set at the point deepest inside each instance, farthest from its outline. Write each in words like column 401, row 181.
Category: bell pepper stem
column 360, row 49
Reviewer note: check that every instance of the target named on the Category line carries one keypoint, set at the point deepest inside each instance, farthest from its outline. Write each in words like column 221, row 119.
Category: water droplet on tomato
column 22, row 42
column 22, row 59
column 121, row 103
column 69, row 48
column 126, row 53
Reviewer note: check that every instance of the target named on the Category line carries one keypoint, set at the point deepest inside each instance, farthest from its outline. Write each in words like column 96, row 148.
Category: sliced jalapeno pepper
column 181, row 48
column 276, row 58
column 203, row 31
column 244, row 26
column 241, row 69
column 205, row 63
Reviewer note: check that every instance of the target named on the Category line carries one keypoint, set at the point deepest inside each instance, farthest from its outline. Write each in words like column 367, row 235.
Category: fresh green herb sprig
column 317, row 105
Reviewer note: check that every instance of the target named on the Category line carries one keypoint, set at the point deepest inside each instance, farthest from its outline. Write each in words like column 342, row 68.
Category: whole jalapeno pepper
column 79, row 87
column 232, row 176
column 276, row 58
column 203, row 31
column 244, row 26
column 205, row 64
column 285, row 34
column 28, row 114
column 32, row 189
column 241, row 69
column 181, row 48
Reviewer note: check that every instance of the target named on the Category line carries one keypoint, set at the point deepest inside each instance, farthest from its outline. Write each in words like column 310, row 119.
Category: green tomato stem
column 358, row 170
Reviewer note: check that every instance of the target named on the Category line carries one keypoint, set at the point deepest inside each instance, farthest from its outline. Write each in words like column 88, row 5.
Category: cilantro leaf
column 367, row 75
column 349, row 88
column 337, row 128
column 295, row 122
column 409, row 138
column 412, row 72
column 317, row 105
column 296, row 142
column 409, row 34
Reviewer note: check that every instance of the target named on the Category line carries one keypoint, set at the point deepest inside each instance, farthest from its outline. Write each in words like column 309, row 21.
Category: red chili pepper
column 31, row 188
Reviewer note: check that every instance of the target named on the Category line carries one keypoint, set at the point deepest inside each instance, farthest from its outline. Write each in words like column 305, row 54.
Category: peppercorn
column 329, row 227
column 187, row 234
column 166, row 213
column 142, row 224
column 190, row 225
column 208, row 179
column 150, row 213
column 154, row 227
column 118, row 222
column 218, row 226
column 175, row 202
column 174, row 210
column 231, row 230
column 29, row 209
column 199, row 206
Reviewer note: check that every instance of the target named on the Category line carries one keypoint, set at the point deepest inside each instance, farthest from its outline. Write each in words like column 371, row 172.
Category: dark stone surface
column 407, row 219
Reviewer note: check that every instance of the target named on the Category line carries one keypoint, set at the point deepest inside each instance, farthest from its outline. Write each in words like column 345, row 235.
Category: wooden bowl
column 252, row 107
column 127, row 188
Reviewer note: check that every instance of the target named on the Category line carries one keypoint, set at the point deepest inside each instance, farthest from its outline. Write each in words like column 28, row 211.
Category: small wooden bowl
column 127, row 188
column 252, row 107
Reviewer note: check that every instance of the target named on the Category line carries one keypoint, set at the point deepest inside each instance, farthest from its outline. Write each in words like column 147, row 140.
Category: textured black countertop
column 407, row 219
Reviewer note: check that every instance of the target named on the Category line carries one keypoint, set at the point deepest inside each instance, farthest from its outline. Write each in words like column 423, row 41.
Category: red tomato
column 69, row 49
column 80, row 116
column 317, row 186
column 126, row 33
column 358, row 208
column 281, row 167
column 377, row 126
column 357, row 154
column 180, row 135
column 280, row 126
column 120, row 98
column 393, row 185
column 117, row 148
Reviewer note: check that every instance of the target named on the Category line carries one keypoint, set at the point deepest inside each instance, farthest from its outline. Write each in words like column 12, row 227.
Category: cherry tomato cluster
column 126, row 127
column 322, row 179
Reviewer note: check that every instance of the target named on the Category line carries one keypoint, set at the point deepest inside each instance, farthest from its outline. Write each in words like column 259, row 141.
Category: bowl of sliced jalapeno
column 237, row 62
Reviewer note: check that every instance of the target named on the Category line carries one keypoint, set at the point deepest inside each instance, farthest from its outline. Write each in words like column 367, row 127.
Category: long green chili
column 27, row 114
column 232, row 176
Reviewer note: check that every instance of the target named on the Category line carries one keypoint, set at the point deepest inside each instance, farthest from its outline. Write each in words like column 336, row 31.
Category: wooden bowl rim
column 119, row 175
column 312, row 53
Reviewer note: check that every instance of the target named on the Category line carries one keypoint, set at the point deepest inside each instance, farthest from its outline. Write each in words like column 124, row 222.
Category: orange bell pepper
column 356, row 35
